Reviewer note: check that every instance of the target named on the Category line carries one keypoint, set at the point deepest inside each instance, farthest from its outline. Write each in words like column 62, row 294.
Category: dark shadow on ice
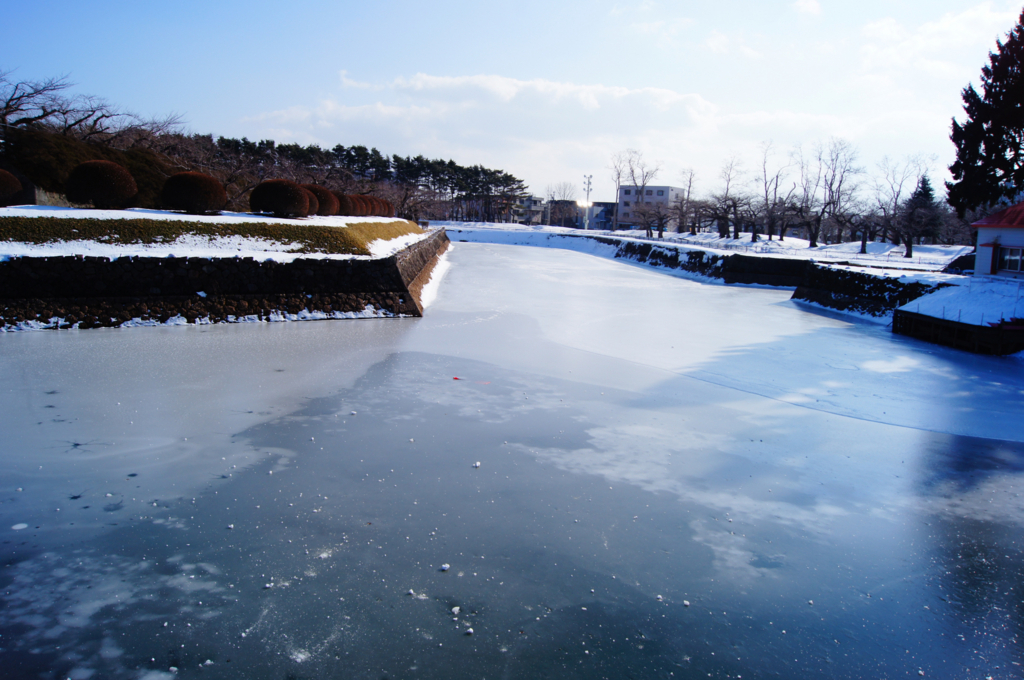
column 965, row 462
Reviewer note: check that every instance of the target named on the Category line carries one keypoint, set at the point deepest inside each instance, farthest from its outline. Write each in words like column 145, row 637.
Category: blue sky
column 546, row 90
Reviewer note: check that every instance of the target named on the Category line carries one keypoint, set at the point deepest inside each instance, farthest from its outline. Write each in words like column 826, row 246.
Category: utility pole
column 586, row 186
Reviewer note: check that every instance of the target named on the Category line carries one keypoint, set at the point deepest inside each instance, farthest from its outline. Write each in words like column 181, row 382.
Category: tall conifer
column 989, row 163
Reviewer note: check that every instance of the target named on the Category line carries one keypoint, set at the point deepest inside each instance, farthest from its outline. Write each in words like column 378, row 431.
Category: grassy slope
column 352, row 239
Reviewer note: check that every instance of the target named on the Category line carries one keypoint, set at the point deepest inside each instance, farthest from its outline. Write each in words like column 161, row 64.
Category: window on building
column 650, row 193
column 1010, row 259
column 625, row 214
column 661, row 192
column 627, row 192
column 625, row 203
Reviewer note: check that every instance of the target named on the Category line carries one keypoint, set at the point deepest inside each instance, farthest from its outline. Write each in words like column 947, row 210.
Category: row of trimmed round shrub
column 287, row 199
column 107, row 185
column 10, row 186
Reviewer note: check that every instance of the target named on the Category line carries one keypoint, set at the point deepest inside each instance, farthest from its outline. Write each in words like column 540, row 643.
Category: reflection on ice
column 900, row 364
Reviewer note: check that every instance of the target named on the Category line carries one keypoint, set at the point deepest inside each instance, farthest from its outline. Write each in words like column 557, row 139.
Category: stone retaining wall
column 835, row 288
column 96, row 291
column 1000, row 340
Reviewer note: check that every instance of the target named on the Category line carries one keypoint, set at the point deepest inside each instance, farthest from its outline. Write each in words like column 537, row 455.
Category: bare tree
column 685, row 206
column 730, row 205
column 955, row 230
column 654, row 215
column 639, row 173
column 840, row 185
column 825, row 196
column 25, row 102
column 618, row 168
column 774, row 200
column 43, row 103
column 892, row 186
column 563, row 191
column 808, row 205
column 562, row 204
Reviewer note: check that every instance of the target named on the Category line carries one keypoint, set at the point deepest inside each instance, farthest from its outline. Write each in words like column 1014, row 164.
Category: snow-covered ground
column 978, row 301
column 586, row 242
column 193, row 245
column 878, row 254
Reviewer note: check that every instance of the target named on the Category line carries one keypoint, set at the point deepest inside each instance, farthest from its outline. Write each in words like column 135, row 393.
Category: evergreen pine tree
column 920, row 216
column 989, row 162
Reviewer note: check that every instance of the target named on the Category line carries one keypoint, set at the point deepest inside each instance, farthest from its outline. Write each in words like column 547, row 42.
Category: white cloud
column 891, row 90
column 507, row 89
column 935, row 48
column 348, row 82
column 722, row 43
column 807, row 6
column 662, row 30
column 541, row 130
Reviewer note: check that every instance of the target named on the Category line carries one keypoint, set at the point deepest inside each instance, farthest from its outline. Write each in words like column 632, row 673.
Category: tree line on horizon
column 823, row 194
column 45, row 131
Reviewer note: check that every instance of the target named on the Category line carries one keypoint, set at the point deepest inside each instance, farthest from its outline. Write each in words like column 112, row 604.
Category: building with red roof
column 1001, row 243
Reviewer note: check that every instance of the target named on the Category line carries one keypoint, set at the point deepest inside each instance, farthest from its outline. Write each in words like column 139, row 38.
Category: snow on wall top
column 982, row 301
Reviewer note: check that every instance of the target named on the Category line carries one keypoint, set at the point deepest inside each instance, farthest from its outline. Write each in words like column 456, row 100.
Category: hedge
column 104, row 184
column 194, row 192
column 344, row 205
column 312, row 204
column 47, row 160
column 280, row 198
column 327, row 201
column 10, row 186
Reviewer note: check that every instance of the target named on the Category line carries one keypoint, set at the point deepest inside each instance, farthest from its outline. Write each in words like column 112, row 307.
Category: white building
column 1001, row 243
column 630, row 197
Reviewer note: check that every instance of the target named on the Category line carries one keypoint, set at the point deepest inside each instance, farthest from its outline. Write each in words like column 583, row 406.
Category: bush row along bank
column 93, row 292
column 353, row 239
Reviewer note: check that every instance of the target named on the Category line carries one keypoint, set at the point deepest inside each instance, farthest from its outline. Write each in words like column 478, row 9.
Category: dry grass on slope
column 353, row 239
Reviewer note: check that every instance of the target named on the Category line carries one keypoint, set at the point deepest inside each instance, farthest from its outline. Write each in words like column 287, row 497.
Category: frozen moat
column 676, row 480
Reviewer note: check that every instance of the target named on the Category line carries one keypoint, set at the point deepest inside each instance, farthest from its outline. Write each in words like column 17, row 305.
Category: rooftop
column 1012, row 217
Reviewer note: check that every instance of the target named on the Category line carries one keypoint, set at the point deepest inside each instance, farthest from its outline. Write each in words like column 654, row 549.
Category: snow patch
column 369, row 312
column 433, row 286
column 977, row 301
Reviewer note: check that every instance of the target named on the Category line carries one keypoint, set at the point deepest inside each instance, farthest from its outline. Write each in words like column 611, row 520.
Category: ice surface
column 639, row 435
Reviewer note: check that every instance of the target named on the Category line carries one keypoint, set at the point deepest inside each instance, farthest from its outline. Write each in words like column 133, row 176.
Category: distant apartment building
column 530, row 210
column 602, row 215
column 630, row 198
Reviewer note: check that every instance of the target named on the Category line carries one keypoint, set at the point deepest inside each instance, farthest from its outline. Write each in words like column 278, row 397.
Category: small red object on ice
column 456, row 378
